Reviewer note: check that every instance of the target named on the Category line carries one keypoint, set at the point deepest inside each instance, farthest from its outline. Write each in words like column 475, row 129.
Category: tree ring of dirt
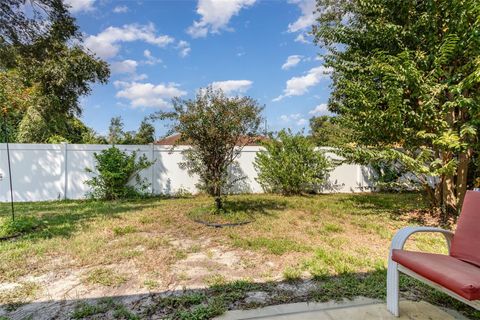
column 10, row 237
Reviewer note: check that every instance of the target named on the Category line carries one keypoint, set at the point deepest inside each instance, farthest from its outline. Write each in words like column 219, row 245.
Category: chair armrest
column 402, row 236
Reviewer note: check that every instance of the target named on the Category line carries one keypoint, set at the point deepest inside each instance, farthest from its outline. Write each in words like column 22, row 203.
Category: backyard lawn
column 144, row 257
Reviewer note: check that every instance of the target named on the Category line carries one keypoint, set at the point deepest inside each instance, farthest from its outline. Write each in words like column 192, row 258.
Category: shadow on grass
column 255, row 206
column 395, row 204
column 62, row 218
column 237, row 211
column 221, row 297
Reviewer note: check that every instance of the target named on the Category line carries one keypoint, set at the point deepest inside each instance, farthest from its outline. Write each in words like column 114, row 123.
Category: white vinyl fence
column 43, row 172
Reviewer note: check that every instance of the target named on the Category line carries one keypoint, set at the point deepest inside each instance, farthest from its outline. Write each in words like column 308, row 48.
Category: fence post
column 65, row 166
column 152, row 178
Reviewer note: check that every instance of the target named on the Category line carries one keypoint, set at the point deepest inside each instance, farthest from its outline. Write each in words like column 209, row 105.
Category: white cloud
column 125, row 66
column 321, row 109
column 302, row 122
column 139, row 77
column 184, row 48
column 296, row 118
column 148, row 95
column 106, row 44
column 151, row 60
column 120, row 9
column 215, row 15
column 301, row 38
column 232, row 86
column 292, row 61
column 80, row 5
column 298, row 86
column 307, row 7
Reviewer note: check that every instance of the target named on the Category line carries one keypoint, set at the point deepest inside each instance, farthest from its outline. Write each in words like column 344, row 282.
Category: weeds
column 105, row 277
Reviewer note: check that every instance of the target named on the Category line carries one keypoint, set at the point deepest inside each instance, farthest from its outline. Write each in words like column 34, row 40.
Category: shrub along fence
column 43, row 172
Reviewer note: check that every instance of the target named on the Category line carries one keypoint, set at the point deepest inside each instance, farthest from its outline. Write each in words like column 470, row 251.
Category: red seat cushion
column 460, row 277
column 466, row 242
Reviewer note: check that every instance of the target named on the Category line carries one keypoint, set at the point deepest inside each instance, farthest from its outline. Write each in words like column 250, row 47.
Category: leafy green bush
column 118, row 175
column 291, row 165
column 20, row 225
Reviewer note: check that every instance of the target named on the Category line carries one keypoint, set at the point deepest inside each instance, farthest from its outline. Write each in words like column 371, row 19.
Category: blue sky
column 161, row 49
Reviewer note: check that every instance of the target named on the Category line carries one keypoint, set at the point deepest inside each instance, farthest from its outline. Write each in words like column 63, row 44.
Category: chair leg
column 393, row 288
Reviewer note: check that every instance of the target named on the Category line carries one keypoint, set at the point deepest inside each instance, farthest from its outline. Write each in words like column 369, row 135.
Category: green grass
column 237, row 211
column 105, row 277
column 325, row 262
column 277, row 246
column 201, row 305
column 332, row 228
column 87, row 310
column 121, row 231
column 292, row 274
column 151, row 284
column 19, row 226
column 341, row 240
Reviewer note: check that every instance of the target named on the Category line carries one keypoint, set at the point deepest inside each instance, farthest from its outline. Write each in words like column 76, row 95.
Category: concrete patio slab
column 358, row 309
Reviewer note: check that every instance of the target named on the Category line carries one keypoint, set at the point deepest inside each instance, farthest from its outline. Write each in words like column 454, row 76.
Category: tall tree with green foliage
column 41, row 53
column 216, row 127
column 406, row 78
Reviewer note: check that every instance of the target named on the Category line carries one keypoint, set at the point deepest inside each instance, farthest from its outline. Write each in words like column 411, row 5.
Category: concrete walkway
column 358, row 309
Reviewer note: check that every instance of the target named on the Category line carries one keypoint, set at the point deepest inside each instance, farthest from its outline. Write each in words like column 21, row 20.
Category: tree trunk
column 448, row 204
column 218, row 196
column 431, row 196
column 218, row 203
column 462, row 174
column 449, row 198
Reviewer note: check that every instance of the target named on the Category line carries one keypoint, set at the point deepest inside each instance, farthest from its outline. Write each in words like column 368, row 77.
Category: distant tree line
column 117, row 135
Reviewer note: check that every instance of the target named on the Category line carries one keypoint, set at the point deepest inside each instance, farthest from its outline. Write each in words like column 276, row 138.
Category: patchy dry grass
column 140, row 246
column 105, row 277
column 21, row 293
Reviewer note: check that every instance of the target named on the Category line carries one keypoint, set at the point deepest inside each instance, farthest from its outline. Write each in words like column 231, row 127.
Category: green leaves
column 446, row 50
column 328, row 131
column 406, row 81
column 41, row 53
column 291, row 165
column 216, row 127
column 118, row 175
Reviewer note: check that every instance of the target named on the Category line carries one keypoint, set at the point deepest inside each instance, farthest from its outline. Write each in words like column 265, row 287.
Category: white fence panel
column 57, row 171
column 37, row 171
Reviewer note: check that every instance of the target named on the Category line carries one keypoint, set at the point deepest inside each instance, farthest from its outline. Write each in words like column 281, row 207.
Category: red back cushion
column 466, row 242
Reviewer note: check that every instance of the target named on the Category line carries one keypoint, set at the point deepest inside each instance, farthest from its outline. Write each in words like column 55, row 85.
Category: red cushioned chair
column 457, row 274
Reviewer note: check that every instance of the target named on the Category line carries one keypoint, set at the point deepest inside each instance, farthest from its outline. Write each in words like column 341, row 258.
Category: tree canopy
column 46, row 70
column 216, row 127
column 406, row 78
column 329, row 131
